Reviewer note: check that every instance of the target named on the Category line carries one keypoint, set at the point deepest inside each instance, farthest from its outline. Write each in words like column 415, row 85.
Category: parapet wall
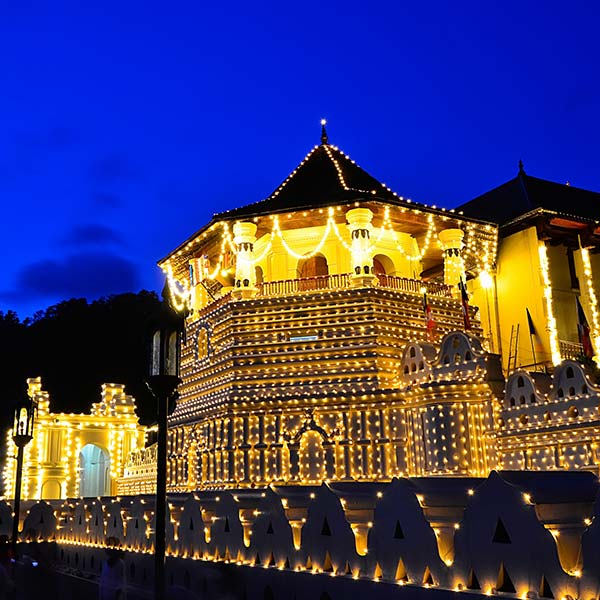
column 524, row 533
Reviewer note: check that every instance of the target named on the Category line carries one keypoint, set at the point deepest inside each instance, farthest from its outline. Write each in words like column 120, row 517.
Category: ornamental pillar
column 359, row 224
column 329, row 448
column 245, row 273
column 454, row 267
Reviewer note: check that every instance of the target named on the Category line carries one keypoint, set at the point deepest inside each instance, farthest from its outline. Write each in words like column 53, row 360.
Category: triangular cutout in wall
column 398, row 533
column 325, row 529
column 270, row 528
column 428, row 577
column 378, row 573
column 505, row 583
column 472, row 581
column 226, row 528
column 327, row 564
column 545, row 589
column 500, row 534
column 401, row 574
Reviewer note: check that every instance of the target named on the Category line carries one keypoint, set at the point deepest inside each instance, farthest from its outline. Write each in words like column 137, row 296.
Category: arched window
column 382, row 266
column 94, row 464
column 258, row 274
column 313, row 271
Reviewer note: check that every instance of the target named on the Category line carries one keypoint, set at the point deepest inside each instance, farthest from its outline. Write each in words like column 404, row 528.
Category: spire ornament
column 324, row 138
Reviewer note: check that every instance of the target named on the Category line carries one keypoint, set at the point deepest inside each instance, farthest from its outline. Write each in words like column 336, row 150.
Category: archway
column 259, row 275
column 312, row 272
column 383, row 265
column 94, row 468
column 51, row 489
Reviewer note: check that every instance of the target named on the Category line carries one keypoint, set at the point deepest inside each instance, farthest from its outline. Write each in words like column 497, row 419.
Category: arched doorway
column 383, row 267
column 259, row 275
column 94, row 468
column 51, row 489
column 313, row 271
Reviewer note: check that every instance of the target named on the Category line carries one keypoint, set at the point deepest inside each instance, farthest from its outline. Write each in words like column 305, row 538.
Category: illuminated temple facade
column 76, row 455
column 308, row 356
column 326, row 340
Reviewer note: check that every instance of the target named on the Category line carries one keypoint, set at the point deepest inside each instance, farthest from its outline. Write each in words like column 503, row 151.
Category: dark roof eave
column 544, row 211
column 228, row 215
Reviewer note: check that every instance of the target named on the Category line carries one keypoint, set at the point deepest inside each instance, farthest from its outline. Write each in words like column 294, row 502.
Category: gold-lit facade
column 74, row 455
column 301, row 310
column 306, row 311
column 327, row 340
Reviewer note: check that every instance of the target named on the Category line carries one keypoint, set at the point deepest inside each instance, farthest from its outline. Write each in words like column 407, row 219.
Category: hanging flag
column 532, row 330
column 584, row 331
column 534, row 338
column 205, row 270
column 429, row 322
column 464, row 299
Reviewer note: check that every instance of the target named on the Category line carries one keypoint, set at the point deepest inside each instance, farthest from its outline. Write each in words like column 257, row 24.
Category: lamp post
column 24, row 417
column 162, row 382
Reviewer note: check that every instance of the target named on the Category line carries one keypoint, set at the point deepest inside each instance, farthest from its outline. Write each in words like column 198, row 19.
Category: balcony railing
column 337, row 281
column 570, row 350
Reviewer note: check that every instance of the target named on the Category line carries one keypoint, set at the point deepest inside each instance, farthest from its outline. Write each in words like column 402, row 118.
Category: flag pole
column 533, row 350
column 532, row 333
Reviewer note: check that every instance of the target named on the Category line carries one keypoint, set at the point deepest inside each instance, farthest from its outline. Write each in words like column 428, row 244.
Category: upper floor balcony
column 331, row 282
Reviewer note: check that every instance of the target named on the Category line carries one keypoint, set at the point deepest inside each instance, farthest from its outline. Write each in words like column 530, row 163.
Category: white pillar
column 245, row 273
column 454, row 267
column 359, row 224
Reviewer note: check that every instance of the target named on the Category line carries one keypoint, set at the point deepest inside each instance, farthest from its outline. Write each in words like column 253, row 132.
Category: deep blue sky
column 125, row 125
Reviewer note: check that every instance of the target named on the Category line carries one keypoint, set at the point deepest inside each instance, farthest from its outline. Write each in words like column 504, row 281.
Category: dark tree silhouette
column 77, row 345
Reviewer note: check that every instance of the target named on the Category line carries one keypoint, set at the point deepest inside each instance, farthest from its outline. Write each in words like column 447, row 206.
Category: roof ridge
column 289, row 177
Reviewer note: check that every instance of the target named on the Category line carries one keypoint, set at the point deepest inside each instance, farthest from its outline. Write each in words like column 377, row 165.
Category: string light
column 550, row 320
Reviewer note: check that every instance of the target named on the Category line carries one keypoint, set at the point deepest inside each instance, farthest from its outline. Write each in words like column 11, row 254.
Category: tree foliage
column 76, row 346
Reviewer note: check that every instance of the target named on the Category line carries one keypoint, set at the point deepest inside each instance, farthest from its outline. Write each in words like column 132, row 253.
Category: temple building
column 327, row 337
column 545, row 285
column 339, row 332
column 301, row 307
column 76, row 455
column 378, row 398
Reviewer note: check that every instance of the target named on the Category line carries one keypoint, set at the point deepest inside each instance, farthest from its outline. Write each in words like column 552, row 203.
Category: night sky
column 124, row 126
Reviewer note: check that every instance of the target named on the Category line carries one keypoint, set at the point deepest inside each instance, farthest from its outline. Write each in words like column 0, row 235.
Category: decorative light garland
column 551, row 321
column 593, row 302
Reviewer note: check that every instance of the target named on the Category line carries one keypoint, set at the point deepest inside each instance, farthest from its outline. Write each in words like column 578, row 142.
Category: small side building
column 76, row 455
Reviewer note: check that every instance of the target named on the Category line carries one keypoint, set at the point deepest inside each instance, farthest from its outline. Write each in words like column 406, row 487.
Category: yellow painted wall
column 52, row 458
column 563, row 295
column 519, row 286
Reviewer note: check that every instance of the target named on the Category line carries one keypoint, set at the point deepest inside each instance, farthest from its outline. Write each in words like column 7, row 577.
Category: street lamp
column 162, row 382
column 24, row 417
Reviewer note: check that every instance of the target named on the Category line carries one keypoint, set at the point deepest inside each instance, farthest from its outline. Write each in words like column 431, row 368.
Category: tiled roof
column 525, row 193
column 324, row 177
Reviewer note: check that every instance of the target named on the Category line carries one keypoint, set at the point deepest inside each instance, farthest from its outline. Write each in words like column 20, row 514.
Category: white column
column 245, row 273
column 359, row 224
column 454, row 267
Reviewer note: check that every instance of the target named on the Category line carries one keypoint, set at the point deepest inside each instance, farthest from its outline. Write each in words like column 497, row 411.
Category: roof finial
column 521, row 169
column 324, row 138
